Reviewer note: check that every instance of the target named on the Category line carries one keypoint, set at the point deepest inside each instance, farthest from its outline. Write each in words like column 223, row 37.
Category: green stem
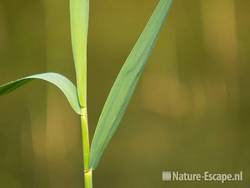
column 86, row 149
column 88, row 179
column 79, row 19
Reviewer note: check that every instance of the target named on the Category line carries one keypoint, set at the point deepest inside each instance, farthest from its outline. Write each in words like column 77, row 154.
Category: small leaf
column 125, row 83
column 79, row 18
column 65, row 85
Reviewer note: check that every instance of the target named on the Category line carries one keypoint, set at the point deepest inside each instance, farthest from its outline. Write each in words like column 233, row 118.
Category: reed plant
column 122, row 89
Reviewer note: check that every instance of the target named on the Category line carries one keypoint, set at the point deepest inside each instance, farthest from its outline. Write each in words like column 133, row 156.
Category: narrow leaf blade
column 79, row 18
column 64, row 84
column 126, row 82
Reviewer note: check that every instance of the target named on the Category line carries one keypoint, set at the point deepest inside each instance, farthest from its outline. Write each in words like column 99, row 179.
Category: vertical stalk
column 88, row 179
column 79, row 18
column 86, row 149
column 85, row 140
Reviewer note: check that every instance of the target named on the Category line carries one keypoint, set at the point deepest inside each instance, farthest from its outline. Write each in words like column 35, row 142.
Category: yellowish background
column 191, row 111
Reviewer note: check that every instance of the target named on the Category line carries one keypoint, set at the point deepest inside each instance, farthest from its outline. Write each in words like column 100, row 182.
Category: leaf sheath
column 79, row 18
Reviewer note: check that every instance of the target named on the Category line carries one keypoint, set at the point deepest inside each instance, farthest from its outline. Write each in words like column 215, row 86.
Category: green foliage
column 126, row 82
column 79, row 17
column 65, row 85
column 121, row 91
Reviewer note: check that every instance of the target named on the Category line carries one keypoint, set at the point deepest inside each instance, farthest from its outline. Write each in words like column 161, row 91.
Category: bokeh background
column 190, row 113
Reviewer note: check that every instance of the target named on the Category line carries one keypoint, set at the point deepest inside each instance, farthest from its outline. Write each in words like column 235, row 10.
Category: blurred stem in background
column 55, row 143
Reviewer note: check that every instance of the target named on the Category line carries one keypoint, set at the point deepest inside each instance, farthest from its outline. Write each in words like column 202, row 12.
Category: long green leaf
column 79, row 18
column 126, row 82
column 65, row 85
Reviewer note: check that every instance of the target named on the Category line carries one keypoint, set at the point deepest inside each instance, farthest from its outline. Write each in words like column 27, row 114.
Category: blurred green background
column 191, row 111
